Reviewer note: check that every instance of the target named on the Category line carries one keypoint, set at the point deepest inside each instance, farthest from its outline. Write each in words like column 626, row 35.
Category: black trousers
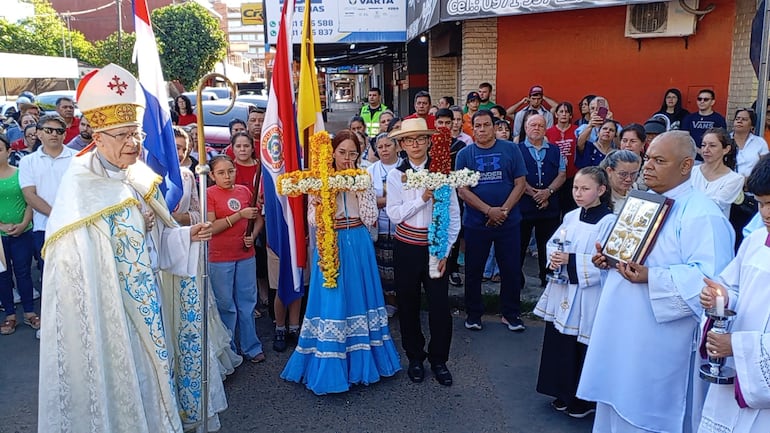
column 411, row 276
column 561, row 364
column 544, row 228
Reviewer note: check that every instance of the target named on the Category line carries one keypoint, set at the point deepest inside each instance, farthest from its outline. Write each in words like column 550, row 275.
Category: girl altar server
column 569, row 309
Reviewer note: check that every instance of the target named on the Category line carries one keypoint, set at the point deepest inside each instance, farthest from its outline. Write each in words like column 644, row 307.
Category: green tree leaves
column 107, row 50
column 190, row 41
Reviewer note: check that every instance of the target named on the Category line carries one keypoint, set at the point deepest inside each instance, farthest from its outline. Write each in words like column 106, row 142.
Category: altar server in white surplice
column 639, row 365
column 120, row 343
column 744, row 407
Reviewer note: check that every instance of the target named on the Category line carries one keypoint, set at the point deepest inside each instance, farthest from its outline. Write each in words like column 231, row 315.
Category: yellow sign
column 251, row 14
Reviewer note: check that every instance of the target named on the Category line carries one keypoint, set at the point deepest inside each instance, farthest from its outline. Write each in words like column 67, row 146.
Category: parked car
column 207, row 96
column 221, row 92
column 47, row 100
column 258, row 100
column 215, row 126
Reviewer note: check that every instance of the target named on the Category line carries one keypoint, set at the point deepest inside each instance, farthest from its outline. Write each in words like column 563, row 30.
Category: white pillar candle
column 720, row 305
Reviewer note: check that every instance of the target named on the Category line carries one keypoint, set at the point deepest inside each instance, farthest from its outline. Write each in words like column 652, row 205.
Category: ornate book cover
column 636, row 228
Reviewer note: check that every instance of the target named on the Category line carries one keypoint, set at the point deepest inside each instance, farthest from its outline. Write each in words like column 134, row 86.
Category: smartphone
column 602, row 112
column 601, row 108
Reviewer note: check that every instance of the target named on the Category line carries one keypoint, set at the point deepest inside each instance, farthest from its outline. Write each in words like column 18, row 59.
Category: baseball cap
column 536, row 90
column 654, row 125
column 472, row 96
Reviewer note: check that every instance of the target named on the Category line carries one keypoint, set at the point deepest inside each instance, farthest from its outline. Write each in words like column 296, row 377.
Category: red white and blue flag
column 280, row 153
column 160, row 145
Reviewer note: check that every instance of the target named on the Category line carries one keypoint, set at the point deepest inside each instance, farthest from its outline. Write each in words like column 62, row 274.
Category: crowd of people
column 552, row 181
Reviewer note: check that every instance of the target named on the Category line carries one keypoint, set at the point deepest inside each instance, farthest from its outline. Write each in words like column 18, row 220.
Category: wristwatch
column 551, row 191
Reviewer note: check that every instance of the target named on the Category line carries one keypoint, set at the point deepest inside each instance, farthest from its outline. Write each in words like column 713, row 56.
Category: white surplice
column 572, row 307
column 639, row 362
column 746, row 278
column 106, row 352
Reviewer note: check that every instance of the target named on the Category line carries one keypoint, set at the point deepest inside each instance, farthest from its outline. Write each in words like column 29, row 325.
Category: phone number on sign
column 318, row 27
column 316, row 32
column 456, row 7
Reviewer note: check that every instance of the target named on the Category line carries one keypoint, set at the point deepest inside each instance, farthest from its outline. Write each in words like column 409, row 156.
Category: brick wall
column 743, row 82
column 442, row 76
column 479, row 56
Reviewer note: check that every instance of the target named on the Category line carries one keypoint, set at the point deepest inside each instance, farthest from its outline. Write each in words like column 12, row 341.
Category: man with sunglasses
column 120, row 336
column 40, row 174
column 706, row 118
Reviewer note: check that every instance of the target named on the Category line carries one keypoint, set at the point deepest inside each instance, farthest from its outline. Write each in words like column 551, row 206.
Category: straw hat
column 111, row 97
column 410, row 127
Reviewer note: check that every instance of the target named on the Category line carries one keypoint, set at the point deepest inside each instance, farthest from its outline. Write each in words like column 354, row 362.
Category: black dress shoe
column 442, row 374
column 416, row 371
column 279, row 341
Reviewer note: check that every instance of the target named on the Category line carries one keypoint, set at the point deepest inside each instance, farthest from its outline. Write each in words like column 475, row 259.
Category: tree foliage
column 107, row 51
column 190, row 41
column 45, row 34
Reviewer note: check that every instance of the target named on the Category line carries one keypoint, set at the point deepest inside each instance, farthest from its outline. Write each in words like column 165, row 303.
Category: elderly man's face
column 666, row 166
column 120, row 146
column 535, row 128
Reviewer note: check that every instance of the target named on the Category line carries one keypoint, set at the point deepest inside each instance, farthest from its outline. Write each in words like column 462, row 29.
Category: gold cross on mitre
column 323, row 180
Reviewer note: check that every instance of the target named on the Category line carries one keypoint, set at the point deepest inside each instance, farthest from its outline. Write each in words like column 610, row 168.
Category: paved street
column 494, row 371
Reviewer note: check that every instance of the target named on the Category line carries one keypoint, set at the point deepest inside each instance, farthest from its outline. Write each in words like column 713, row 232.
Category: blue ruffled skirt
column 345, row 338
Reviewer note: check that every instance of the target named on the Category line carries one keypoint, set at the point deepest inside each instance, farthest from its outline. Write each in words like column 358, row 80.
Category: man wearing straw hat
column 120, row 345
column 412, row 211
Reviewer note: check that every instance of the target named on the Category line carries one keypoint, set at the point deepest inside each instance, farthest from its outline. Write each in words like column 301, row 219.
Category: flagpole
column 203, row 169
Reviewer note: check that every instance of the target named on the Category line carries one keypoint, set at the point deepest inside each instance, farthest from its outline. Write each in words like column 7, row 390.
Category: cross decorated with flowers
column 441, row 180
column 323, row 180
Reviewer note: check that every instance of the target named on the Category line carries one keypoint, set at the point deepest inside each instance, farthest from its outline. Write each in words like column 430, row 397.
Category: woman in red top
column 183, row 106
column 231, row 255
column 562, row 134
column 246, row 166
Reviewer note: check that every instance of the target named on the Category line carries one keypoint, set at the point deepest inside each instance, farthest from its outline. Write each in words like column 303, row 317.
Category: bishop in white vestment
column 120, row 339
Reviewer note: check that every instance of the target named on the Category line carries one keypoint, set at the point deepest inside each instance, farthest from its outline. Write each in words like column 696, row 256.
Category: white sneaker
column 35, row 294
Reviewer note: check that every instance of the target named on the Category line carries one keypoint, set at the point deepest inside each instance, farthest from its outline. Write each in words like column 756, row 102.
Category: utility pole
column 120, row 26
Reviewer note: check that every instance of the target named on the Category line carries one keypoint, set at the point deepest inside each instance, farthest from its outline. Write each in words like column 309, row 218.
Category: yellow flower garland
column 326, row 182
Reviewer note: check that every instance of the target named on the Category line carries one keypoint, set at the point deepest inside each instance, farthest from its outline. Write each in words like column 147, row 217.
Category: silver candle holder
column 559, row 276
column 714, row 371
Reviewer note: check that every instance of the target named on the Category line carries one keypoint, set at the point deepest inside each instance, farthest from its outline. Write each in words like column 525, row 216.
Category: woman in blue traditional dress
column 345, row 338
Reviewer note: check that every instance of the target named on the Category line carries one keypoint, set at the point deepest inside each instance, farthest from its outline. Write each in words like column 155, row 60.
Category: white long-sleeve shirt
column 407, row 206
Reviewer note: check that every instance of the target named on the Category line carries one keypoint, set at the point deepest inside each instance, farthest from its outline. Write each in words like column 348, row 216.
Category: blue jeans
column 490, row 268
column 235, row 287
column 477, row 246
column 18, row 258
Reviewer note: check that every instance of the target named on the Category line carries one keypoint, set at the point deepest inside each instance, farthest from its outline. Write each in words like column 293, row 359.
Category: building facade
column 586, row 51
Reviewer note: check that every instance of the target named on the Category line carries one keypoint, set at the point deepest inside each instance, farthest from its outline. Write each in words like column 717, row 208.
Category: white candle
column 563, row 235
column 720, row 305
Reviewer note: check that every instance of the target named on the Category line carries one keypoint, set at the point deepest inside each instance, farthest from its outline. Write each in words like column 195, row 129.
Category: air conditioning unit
column 660, row 19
